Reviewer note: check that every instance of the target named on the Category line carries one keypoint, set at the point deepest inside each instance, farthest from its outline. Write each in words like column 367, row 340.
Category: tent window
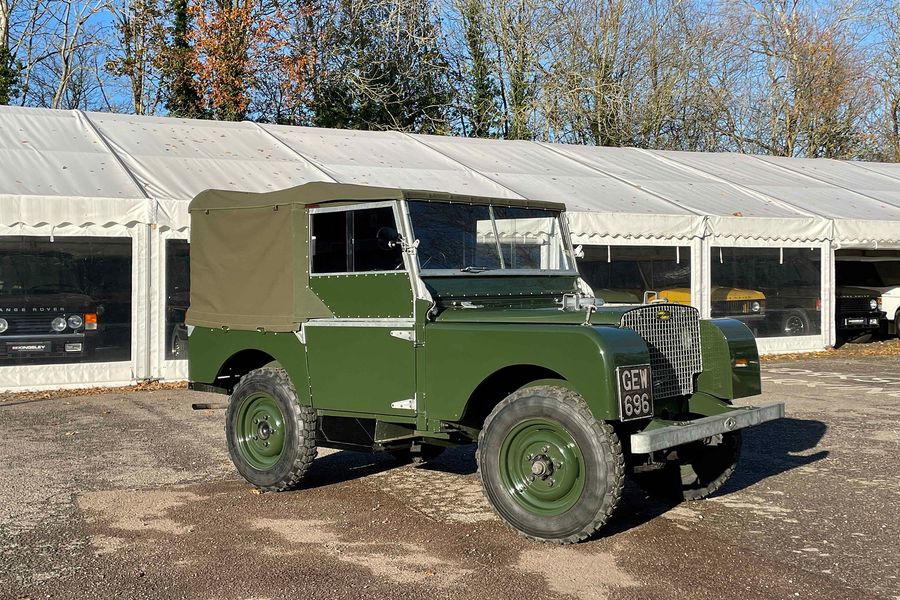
column 349, row 241
column 178, row 294
column 622, row 274
column 64, row 301
column 776, row 292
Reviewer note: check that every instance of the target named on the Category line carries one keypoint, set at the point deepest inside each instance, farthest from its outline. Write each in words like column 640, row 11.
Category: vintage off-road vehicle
column 409, row 321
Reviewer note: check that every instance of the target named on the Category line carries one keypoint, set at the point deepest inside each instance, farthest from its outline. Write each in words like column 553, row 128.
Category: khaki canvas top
column 250, row 251
column 314, row 193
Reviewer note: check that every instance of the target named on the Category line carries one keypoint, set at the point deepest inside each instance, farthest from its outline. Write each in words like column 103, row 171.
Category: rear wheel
column 795, row 322
column 694, row 471
column 271, row 437
column 550, row 470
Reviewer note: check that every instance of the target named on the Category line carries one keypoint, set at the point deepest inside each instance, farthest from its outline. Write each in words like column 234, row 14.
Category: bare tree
column 139, row 36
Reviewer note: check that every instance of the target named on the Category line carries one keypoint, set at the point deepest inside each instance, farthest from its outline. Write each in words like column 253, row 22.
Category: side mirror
column 388, row 238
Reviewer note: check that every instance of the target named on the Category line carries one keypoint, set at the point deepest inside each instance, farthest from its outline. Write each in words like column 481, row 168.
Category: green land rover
column 409, row 321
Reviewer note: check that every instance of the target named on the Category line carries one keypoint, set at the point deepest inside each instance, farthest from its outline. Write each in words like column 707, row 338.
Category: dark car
column 44, row 313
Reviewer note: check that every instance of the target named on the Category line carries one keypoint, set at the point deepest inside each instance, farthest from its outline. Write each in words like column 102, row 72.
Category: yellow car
column 734, row 303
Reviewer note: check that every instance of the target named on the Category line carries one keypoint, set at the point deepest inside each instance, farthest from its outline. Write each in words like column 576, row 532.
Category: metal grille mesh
column 30, row 324
column 854, row 304
column 672, row 334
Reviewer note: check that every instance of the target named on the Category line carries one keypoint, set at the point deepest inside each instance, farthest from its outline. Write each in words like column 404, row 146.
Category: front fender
column 730, row 360
column 460, row 356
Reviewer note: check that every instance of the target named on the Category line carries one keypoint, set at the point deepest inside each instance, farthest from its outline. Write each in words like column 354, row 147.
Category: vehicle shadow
column 776, row 447
column 768, row 450
column 345, row 465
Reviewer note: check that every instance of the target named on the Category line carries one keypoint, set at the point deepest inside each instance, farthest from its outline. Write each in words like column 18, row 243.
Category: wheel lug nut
column 256, row 421
column 267, row 444
column 545, row 448
column 266, row 417
column 531, row 457
column 255, row 438
column 558, row 465
column 550, row 482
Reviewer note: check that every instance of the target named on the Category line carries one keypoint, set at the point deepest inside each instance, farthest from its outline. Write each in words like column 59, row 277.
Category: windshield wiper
column 474, row 269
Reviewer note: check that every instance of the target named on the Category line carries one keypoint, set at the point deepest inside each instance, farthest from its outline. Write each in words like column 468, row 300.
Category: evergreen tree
column 387, row 71
column 182, row 98
column 482, row 90
column 9, row 76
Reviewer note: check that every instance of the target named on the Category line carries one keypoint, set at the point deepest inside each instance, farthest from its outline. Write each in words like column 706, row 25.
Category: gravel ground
column 130, row 494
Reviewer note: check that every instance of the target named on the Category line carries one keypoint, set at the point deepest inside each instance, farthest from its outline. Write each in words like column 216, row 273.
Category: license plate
column 635, row 392
column 28, row 347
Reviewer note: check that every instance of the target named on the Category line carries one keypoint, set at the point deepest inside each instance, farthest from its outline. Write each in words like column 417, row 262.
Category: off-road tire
column 428, row 453
column 697, row 472
column 299, row 423
column 602, row 464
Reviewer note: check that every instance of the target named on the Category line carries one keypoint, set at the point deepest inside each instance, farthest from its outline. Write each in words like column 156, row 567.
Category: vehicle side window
column 356, row 241
column 329, row 239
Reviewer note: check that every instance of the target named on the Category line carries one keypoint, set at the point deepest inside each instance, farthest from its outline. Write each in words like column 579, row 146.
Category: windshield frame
column 501, row 271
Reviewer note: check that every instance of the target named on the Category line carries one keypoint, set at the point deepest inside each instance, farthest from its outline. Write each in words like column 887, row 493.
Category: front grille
column 672, row 335
column 854, row 304
column 737, row 307
column 30, row 324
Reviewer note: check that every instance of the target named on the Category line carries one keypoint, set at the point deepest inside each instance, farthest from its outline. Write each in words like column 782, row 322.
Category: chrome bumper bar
column 698, row 429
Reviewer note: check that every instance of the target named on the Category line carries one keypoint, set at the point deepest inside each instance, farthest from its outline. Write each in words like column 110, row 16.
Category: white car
column 881, row 274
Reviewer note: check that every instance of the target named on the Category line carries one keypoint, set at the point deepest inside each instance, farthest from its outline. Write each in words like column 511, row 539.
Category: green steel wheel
column 550, row 470
column 271, row 437
column 694, row 471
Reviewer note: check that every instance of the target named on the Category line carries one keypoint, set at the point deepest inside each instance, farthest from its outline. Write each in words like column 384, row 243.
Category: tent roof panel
column 55, row 153
column 387, row 159
column 179, row 158
column 534, row 171
column 704, row 195
column 803, row 191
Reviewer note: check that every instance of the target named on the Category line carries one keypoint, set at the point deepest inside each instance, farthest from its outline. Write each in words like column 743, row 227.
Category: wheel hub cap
column 259, row 430
column 542, row 467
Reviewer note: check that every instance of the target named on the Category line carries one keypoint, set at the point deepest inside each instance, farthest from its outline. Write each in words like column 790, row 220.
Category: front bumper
column 866, row 321
column 684, row 432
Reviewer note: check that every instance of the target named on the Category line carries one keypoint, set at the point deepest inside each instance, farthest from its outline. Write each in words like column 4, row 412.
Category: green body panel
column 459, row 356
column 360, row 369
column 365, row 295
column 724, row 342
column 212, row 348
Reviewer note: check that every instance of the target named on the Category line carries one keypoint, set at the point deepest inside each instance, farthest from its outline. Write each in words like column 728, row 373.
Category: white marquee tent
column 69, row 174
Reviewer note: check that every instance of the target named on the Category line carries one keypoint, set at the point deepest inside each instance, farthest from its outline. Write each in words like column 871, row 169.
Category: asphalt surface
column 131, row 495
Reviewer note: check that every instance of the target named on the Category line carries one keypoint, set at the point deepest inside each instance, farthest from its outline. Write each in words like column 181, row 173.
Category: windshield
column 870, row 274
column 474, row 238
column 23, row 273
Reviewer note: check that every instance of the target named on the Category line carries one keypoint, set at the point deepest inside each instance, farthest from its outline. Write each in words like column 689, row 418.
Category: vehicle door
column 363, row 359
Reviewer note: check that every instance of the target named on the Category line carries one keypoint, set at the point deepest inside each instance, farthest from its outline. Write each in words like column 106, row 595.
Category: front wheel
column 694, row 471
column 550, row 470
column 271, row 437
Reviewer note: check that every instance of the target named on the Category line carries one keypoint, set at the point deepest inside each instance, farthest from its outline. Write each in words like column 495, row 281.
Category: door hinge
column 404, row 334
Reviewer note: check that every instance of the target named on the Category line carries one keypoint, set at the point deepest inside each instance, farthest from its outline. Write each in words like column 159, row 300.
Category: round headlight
column 58, row 324
column 75, row 321
column 755, row 306
column 4, row 325
column 873, row 304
